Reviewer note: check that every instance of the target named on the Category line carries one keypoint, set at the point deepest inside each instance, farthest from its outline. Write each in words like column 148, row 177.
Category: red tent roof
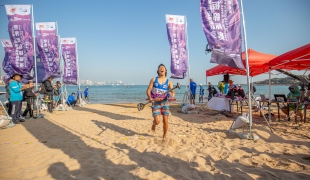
column 258, row 64
column 297, row 59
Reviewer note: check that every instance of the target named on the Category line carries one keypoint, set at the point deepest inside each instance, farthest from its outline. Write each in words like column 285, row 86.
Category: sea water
column 137, row 93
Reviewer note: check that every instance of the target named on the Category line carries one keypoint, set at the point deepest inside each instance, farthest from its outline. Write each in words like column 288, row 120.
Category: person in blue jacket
column 16, row 97
column 201, row 93
column 192, row 87
column 79, row 94
column 86, row 94
column 71, row 99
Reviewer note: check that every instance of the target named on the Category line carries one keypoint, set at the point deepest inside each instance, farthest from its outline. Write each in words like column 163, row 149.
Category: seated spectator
column 45, row 101
column 293, row 96
column 232, row 90
column 71, row 100
column 240, row 91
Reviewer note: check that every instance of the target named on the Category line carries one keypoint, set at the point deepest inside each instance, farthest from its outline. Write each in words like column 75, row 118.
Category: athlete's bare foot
column 164, row 138
column 153, row 127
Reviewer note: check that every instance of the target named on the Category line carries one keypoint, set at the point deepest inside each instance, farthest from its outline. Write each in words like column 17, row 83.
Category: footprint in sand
column 166, row 142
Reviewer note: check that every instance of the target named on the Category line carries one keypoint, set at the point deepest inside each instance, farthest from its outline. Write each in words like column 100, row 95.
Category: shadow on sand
column 108, row 114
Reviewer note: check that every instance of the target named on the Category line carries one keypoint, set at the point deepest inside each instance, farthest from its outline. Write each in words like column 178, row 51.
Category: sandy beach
column 115, row 142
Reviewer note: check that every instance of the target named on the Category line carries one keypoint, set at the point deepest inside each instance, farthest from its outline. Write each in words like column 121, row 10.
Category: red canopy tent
column 297, row 59
column 258, row 64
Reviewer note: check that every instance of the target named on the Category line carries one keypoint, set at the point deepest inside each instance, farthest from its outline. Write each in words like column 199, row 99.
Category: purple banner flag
column 68, row 49
column 176, row 30
column 6, row 64
column 221, row 25
column 19, row 29
column 47, row 42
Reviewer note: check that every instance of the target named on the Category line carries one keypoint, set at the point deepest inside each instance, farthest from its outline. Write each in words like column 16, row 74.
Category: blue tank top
column 159, row 89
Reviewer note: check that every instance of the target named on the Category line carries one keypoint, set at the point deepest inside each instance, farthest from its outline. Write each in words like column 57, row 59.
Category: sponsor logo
column 171, row 19
column 41, row 26
column 6, row 43
column 64, row 40
column 165, row 86
column 13, row 10
column 22, row 10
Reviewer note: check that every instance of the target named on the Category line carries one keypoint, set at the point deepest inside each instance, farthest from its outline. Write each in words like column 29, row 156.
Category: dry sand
column 115, row 142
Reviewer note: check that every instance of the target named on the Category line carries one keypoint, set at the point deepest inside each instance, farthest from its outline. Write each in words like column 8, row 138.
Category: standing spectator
column 201, row 93
column 29, row 97
column 192, row 87
column 226, row 88
column 79, row 95
column 16, row 97
column 7, row 94
column 308, row 89
column 58, row 94
column 253, row 89
column 86, row 95
column 221, row 86
column 49, row 91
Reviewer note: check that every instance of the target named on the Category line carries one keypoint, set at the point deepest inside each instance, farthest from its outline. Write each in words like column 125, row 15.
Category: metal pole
column 247, row 70
column 78, row 69
column 35, row 58
column 188, row 65
column 61, row 68
column 269, row 103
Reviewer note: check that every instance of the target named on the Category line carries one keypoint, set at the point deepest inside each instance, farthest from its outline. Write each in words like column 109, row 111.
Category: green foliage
column 279, row 81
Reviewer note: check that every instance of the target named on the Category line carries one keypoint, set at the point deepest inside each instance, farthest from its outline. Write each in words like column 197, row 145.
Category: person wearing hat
column 293, row 96
column 16, row 97
column 201, row 93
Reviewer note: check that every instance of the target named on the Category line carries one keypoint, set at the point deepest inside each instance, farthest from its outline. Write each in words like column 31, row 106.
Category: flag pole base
column 242, row 135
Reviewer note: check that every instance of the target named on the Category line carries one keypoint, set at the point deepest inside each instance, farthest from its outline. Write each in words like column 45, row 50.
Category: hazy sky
column 127, row 40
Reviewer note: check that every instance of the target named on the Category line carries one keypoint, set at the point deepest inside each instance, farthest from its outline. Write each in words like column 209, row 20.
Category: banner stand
column 63, row 94
column 38, row 112
column 79, row 102
column 249, row 135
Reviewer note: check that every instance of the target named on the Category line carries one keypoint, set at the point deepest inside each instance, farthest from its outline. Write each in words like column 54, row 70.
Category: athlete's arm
column 170, row 85
column 149, row 89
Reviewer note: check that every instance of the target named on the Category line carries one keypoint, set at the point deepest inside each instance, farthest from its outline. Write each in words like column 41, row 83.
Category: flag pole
column 188, row 65
column 61, row 68
column 78, row 70
column 247, row 72
column 35, row 58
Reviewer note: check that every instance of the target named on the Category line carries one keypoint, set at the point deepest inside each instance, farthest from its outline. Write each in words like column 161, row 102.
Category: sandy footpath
column 115, row 142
